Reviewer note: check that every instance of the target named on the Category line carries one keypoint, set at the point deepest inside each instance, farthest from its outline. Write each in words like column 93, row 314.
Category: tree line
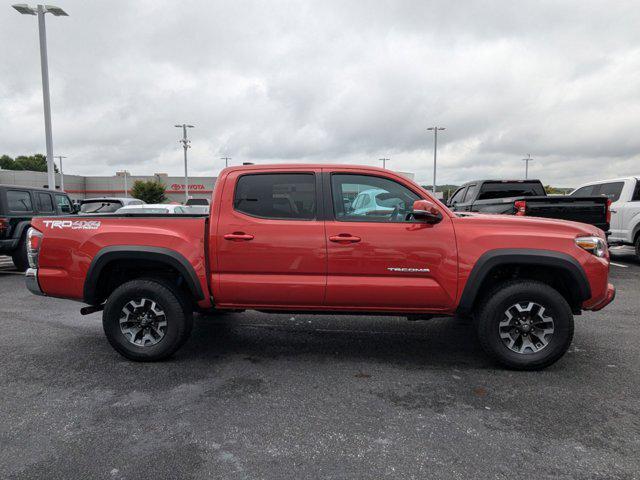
column 33, row 163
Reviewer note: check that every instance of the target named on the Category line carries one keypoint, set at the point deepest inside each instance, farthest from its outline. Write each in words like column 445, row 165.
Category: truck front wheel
column 525, row 325
column 145, row 320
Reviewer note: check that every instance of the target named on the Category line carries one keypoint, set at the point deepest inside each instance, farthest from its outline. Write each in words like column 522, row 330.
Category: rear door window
column 19, row 201
column 284, row 196
column 611, row 190
column 472, row 190
column 45, row 203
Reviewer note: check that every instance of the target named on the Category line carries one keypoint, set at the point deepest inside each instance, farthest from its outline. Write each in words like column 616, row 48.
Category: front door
column 379, row 257
column 270, row 243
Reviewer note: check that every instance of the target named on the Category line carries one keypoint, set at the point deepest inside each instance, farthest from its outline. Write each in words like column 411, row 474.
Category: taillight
column 608, row 210
column 4, row 225
column 34, row 241
column 521, row 207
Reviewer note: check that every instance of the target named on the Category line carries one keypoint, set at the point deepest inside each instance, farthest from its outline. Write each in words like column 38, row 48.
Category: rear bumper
column 609, row 297
column 31, row 280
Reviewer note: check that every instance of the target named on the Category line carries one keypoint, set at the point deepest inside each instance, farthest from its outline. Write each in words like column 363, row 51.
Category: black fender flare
column 136, row 252
column 523, row 257
column 20, row 229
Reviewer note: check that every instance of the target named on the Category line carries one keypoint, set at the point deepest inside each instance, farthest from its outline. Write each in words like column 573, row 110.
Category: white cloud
column 336, row 81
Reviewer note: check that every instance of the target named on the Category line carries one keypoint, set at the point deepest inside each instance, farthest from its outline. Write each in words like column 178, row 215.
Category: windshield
column 100, row 206
column 510, row 189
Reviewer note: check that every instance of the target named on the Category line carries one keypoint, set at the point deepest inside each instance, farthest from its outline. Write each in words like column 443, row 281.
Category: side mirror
column 426, row 211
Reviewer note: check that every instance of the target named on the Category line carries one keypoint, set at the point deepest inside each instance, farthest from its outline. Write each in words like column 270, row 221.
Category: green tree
column 6, row 162
column 32, row 163
column 149, row 191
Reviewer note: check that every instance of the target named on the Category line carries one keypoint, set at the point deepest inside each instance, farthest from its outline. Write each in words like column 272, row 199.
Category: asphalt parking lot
column 275, row 396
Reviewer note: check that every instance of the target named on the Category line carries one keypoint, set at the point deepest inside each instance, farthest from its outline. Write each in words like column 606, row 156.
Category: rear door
column 270, row 242
column 382, row 259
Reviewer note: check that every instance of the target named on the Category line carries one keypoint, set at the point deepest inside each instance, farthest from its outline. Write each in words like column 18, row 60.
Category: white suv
column 624, row 194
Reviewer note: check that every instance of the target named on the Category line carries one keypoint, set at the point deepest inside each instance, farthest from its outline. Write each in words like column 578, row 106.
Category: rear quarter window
column 19, row 201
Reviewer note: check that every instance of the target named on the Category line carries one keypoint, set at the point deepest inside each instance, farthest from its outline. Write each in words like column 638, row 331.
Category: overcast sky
column 332, row 81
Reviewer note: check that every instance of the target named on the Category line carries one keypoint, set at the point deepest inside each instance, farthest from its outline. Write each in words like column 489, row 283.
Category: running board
column 91, row 309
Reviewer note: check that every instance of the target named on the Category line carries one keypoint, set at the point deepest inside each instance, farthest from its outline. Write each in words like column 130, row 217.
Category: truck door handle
column 344, row 238
column 238, row 237
column 613, row 210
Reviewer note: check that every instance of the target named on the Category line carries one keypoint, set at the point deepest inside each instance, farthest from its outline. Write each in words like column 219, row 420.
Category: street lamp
column 40, row 10
column 384, row 162
column 226, row 161
column 60, row 157
column 435, row 153
column 185, row 144
column 526, row 165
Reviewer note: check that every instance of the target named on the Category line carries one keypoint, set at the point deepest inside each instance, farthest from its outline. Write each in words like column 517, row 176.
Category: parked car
column 278, row 238
column 18, row 206
column 153, row 208
column 528, row 198
column 624, row 194
column 374, row 201
column 197, row 201
column 106, row 204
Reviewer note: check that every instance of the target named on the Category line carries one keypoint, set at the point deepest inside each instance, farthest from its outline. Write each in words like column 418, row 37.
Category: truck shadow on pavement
column 261, row 337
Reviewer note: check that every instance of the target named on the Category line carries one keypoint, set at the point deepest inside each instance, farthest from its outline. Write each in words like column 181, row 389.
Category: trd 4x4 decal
column 73, row 224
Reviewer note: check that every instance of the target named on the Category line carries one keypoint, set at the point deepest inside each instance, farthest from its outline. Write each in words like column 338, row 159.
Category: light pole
column 526, row 165
column 60, row 157
column 126, row 186
column 40, row 10
column 384, row 162
column 185, row 145
column 226, row 161
column 435, row 153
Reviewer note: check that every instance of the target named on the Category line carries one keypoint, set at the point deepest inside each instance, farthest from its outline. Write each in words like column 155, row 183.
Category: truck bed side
column 72, row 245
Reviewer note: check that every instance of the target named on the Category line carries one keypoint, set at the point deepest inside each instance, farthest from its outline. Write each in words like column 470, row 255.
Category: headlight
column 594, row 245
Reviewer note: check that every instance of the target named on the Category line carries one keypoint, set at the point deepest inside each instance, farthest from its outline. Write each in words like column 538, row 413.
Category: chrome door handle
column 238, row 237
column 344, row 238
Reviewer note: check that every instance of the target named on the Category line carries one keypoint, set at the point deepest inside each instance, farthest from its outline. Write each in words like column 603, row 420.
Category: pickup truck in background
column 624, row 195
column 283, row 238
column 528, row 198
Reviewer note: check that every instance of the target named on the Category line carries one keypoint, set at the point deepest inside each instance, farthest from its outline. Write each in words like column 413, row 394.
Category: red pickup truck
column 325, row 238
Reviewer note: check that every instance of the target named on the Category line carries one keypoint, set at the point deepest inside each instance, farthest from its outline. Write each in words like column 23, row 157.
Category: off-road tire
column 493, row 310
column 170, row 299
column 19, row 255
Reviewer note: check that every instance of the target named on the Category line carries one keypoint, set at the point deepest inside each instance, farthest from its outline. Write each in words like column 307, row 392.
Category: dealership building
column 79, row 187
column 119, row 185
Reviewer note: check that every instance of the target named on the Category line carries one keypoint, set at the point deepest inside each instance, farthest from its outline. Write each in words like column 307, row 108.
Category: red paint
column 249, row 262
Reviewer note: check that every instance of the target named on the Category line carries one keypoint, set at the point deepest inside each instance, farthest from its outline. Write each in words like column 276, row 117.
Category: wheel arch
column 156, row 256
column 561, row 270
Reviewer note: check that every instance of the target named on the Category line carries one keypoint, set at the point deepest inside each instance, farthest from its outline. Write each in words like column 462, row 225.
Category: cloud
column 334, row 81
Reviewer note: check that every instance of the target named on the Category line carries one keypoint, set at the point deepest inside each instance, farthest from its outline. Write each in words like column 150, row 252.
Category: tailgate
column 591, row 210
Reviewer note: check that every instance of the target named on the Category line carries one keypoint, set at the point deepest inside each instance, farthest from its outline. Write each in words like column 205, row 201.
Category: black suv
column 18, row 205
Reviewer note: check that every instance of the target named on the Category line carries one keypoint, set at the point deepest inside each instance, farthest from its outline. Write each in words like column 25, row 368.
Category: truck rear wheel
column 19, row 255
column 146, row 320
column 525, row 325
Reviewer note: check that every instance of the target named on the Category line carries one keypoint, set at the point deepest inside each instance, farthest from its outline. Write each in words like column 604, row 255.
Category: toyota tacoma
column 288, row 238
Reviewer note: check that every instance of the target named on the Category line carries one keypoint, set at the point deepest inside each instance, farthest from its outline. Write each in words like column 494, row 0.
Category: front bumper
column 31, row 280
column 609, row 297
